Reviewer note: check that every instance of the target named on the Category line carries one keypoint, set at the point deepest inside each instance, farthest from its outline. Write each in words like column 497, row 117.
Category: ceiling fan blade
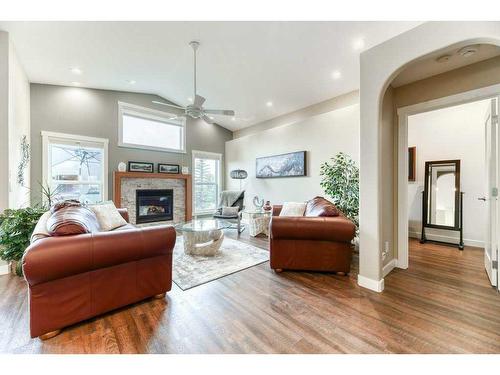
column 169, row 105
column 198, row 101
column 224, row 112
column 207, row 119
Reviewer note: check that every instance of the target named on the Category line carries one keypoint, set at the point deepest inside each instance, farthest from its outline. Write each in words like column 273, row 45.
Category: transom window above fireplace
column 145, row 128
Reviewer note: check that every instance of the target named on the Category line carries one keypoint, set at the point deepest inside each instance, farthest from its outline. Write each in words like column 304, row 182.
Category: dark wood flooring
column 442, row 304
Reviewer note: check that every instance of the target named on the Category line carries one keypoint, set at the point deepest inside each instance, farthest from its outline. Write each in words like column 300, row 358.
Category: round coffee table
column 203, row 236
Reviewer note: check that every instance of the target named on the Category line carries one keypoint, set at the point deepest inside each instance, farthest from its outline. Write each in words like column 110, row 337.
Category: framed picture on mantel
column 169, row 168
column 139, row 166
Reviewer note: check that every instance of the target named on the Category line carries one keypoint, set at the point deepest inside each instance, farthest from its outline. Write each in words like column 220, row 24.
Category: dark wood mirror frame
column 412, row 164
column 458, row 222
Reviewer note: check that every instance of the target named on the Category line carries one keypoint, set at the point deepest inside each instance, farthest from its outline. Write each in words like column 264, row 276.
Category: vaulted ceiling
column 259, row 69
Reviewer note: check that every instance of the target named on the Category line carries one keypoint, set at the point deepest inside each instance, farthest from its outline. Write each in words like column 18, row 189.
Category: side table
column 258, row 222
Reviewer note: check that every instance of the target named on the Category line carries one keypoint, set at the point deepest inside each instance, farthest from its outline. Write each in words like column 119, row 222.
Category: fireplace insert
column 154, row 205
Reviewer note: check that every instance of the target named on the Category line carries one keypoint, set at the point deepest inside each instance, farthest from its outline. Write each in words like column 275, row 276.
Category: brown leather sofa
column 76, row 277
column 312, row 242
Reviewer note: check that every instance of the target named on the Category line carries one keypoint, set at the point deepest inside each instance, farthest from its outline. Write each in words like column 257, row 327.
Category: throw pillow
column 319, row 206
column 108, row 216
column 40, row 230
column 71, row 219
column 293, row 209
column 230, row 211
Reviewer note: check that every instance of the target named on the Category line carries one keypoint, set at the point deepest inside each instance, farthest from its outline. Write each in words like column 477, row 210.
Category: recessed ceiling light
column 269, row 104
column 443, row 58
column 336, row 74
column 233, row 118
column 75, row 83
column 131, row 82
column 211, row 117
column 468, row 51
column 358, row 44
column 76, row 71
column 190, row 99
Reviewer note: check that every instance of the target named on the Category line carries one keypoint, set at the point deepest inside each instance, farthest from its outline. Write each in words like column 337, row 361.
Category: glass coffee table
column 203, row 236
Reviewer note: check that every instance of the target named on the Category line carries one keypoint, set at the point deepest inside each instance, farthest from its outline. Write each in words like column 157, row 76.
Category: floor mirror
column 442, row 199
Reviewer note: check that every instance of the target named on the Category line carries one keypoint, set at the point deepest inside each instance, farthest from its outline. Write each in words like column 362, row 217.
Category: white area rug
column 190, row 271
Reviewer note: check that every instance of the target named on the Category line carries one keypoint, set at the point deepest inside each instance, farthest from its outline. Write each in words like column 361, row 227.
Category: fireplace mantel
column 117, row 184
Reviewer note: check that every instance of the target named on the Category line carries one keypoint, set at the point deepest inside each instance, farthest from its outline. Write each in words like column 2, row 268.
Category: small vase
column 267, row 206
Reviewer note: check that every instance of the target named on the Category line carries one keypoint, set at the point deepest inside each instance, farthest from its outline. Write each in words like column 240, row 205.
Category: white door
column 492, row 165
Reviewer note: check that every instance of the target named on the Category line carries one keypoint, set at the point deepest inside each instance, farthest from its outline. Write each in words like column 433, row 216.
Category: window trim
column 213, row 156
column 48, row 137
column 150, row 114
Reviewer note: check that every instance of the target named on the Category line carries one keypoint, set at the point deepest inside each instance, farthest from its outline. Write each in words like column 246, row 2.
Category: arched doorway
column 379, row 67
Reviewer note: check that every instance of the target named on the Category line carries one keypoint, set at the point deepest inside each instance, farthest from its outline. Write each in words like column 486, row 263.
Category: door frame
column 402, row 144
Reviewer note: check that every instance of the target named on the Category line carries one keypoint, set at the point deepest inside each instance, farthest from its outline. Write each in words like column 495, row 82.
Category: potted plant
column 16, row 227
column 340, row 180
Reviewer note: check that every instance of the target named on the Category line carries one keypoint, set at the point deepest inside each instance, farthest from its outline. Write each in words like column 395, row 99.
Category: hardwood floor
column 442, row 304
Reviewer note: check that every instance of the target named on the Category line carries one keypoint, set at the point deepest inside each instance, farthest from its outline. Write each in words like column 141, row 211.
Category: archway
column 379, row 66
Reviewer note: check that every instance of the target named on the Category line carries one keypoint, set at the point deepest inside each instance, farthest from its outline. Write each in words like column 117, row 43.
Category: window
column 206, row 181
column 75, row 167
column 146, row 128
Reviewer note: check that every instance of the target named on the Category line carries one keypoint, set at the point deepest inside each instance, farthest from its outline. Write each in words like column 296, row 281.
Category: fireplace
column 154, row 205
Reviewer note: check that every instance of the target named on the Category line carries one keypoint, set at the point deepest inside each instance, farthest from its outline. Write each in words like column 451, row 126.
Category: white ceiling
column 241, row 65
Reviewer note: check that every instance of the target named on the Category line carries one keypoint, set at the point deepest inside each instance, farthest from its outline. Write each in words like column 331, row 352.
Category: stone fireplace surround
column 126, row 183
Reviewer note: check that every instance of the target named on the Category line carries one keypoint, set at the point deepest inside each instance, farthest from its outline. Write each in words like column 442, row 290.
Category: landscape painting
column 292, row 164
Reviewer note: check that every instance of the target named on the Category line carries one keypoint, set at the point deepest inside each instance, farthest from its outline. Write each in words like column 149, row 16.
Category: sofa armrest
column 124, row 213
column 57, row 257
column 336, row 228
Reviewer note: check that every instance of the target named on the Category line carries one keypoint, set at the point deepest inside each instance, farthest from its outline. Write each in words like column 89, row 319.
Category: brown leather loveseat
column 318, row 241
column 76, row 277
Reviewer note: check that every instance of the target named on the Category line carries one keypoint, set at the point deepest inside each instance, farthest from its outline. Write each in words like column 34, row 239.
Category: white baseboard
column 437, row 237
column 4, row 269
column 389, row 267
column 375, row 285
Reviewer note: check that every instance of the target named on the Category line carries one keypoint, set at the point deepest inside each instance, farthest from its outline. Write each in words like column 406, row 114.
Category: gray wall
column 94, row 113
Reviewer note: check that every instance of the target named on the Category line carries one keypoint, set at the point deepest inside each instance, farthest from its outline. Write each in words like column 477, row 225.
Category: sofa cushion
column 69, row 218
column 338, row 228
column 108, row 216
column 293, row 209
column 230, row 211
column 319, row 206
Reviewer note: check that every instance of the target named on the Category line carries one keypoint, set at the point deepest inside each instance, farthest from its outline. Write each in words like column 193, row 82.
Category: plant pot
column 355, row 243
column 16, row 267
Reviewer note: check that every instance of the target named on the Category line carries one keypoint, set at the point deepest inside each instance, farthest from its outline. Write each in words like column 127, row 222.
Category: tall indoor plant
column 340, row 180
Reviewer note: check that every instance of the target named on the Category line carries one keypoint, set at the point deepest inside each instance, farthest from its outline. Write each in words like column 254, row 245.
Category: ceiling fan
column 196, row 109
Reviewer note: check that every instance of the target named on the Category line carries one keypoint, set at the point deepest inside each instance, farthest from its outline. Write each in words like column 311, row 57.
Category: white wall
column 322, row 136
column 19, row 126
column 14, row 123
column 4, row 120
column 451, row 133
column 4, row 129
